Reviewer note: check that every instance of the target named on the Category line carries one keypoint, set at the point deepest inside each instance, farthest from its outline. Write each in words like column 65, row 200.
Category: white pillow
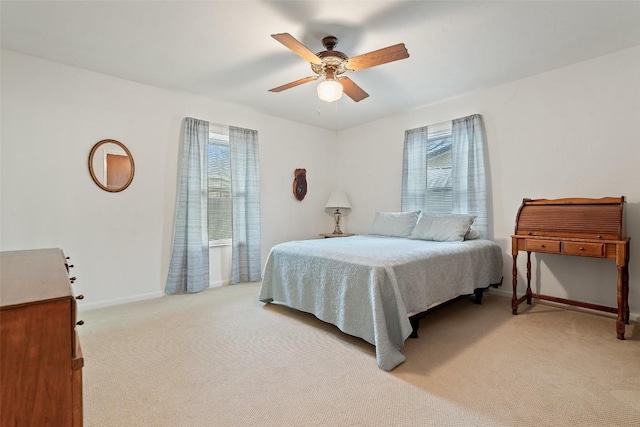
column 442, row 227
column 472, row 234
column 394, row 224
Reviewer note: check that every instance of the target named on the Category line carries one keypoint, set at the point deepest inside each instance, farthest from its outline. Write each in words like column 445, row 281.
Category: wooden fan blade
column 378, row 57
column 294, row 84
column 352, row 90
column 298, row 48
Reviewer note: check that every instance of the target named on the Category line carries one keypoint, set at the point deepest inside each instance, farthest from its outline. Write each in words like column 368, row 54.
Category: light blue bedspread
column 368, row 285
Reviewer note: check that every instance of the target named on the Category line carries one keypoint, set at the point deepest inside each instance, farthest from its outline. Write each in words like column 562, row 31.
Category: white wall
column 571, row 132
column 51, row 117
column 566, row 133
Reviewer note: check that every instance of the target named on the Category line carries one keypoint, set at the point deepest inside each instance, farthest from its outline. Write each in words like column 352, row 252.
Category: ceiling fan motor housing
column 333, row 61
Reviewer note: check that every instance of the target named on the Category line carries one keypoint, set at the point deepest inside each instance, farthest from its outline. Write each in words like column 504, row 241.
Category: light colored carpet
column 222, row 358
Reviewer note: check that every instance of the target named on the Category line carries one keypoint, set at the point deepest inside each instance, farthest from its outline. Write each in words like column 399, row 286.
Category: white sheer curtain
column 468, row 180
column 245, row 190
column 189, row 267
column 469, row 177
column 414, row 169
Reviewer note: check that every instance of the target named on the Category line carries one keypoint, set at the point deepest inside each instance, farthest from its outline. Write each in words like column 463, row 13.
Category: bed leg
column 478, row 295
column 415, row 324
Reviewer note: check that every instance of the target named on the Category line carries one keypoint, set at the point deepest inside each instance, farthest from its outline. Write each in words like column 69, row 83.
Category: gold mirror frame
column 92, row 170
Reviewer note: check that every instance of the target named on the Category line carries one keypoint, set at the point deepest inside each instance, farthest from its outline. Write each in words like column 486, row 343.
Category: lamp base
column 336, row 216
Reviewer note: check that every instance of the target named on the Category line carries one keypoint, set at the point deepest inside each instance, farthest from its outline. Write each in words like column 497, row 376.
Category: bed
column 370, row 285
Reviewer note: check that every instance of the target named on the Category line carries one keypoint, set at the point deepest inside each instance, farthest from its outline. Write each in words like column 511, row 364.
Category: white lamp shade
column 338, row 200
column 329, row 91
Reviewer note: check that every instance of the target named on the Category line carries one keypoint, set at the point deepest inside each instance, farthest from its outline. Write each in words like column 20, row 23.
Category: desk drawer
column 583, row 249
column 536, row 245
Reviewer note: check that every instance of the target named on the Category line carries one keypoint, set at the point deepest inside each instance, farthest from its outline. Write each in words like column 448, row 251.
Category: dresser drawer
column 583, row 249
column 536, row 245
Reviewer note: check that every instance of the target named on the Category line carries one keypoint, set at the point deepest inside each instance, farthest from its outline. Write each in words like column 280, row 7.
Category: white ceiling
column 223, row 49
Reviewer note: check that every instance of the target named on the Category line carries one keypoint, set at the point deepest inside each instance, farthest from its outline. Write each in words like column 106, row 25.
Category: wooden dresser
column 40, row 356
column 575, row 226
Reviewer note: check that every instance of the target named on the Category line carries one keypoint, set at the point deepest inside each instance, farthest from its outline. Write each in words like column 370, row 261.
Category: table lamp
column 338, row 200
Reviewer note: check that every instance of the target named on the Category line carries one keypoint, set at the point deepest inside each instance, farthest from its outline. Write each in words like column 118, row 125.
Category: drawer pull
column 80, row 322
column 581, row 248
column 80, row 296
column 72, row 279
column 70, row 266
column 599, row 236
column 542, row 246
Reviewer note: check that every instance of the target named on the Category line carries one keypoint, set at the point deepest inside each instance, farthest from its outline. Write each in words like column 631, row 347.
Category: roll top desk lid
column 579, row 218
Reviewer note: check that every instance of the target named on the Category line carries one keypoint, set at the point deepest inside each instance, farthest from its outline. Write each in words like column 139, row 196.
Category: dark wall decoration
column 300, row 184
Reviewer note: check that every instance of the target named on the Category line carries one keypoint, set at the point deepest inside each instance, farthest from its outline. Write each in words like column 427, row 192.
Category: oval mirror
column 111, row 165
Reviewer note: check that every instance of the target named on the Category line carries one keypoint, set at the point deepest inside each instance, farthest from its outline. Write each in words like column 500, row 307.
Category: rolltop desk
column 579, row 227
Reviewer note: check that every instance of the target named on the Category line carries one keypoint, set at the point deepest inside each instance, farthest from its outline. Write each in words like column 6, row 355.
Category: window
column 220, row 209
column 218, row 201
column 439, row 183
column 427, row 170
column 443, row 169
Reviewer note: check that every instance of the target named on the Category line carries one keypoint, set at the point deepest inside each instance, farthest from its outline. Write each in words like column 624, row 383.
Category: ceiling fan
column 331, row 64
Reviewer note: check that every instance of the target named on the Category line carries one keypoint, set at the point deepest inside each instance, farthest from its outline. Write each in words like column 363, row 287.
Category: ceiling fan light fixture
column 330, row 90
column 331, row 63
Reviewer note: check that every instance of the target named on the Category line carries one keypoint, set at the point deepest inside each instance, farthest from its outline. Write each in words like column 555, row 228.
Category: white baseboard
column 82, row 306
column 219, row 283
column 508, row 293
column 108, row 303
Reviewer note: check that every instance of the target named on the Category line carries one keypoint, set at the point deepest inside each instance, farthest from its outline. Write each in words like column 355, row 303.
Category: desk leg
column 620, row 322
column 528, row 277
column 626, row 294
column 514, row 281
